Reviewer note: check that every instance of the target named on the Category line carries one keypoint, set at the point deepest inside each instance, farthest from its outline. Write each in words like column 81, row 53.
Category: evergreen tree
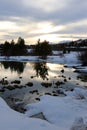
column 43, row 48
column 12, row 49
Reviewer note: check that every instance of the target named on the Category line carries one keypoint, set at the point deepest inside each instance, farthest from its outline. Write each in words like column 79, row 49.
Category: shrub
column 83, row 57
column 43, row 48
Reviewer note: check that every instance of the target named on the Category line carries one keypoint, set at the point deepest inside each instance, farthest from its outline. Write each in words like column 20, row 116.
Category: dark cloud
column 75, row 10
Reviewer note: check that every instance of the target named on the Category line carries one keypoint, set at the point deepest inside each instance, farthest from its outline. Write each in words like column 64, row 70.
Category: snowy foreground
column 12, row 120
column 69, row 112
column 61, row 113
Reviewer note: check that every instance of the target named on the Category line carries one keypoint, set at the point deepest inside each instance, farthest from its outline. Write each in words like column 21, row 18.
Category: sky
column 52, row 20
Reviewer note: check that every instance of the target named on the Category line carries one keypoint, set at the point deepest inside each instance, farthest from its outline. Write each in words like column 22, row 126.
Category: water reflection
column 41, row 70
column 14, row 66
column 13, row 93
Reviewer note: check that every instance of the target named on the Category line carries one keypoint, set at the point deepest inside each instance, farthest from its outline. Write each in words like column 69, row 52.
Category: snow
column 70, row 58
column 19, row 58
column 63, row 111
column 29, row 50
column 78, row 93
column 12, row 120
column 82, row 69
column 79, row 124
column 65, row 59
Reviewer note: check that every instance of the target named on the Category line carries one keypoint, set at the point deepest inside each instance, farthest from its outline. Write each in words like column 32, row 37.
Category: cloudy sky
column 52, row 20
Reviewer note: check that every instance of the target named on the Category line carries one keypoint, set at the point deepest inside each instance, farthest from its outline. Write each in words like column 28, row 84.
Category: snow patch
column 12, row 120
column 62, row 111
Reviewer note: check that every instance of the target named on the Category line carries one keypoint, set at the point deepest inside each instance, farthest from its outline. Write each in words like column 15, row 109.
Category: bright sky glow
column 5, row 25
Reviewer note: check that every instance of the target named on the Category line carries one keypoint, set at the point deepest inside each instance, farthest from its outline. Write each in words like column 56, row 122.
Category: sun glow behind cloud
column 5, row 25
column 36, row 30
column 32, row 32
column 47, row 27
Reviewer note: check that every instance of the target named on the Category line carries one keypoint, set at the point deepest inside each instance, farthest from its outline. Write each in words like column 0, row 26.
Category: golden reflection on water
column 38, row 73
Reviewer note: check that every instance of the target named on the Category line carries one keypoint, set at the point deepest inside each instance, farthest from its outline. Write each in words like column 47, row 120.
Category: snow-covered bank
column 12, row 120
column 19, row 58
column 82, row 69
column 63, row 111
column 62, row 59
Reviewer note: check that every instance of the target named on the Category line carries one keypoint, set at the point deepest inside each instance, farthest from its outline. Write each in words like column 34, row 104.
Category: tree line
column 14, row 49
column 40, row 49
column 19, row 49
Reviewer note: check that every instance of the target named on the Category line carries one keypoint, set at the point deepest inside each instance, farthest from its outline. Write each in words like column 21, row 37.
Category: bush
column 43, row 49
column 83, row 57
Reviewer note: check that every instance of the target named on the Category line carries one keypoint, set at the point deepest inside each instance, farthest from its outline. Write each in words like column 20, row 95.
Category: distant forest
column 41, row 48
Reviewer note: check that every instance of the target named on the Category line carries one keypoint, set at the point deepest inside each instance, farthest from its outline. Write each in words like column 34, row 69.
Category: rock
column 32, row 77
column 37, row 99
column 29, row 84
column 59, row 91
column 69, row 78
column 10, row 87
column 48, row 94
column 33, row 91
column 63, row 76
column 4, row 82
column 20, row 77
column 65, row 80
column 58, row 83
column 72, row 89
column 55, row 95
column 16, row 82
column 62, row 70
column 65, row 66
column 46, row 84
column 18, row 86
